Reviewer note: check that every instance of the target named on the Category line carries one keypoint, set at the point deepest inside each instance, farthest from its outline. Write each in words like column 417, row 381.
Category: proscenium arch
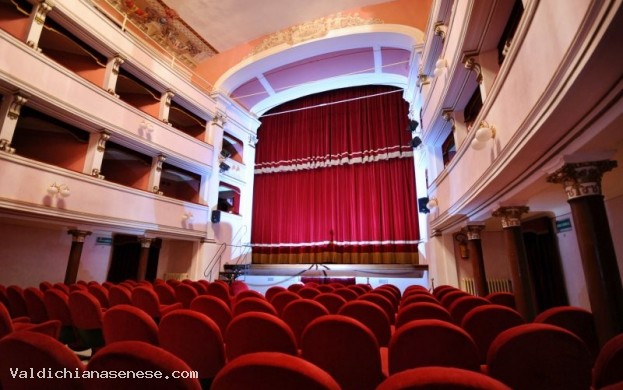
column 369, row 36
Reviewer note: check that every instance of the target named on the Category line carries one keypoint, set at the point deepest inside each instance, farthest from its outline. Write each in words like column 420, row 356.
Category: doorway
column 125, row 257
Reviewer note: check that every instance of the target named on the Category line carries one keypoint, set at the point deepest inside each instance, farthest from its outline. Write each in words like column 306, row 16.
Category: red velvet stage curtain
column 336, row 183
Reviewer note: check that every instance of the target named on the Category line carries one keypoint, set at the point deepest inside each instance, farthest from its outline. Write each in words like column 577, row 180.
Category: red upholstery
column 194, row 338
column 372, row 316
column 9, row 325
column 4, row 299
column 17, row 303
column 346, row 293
column 200, row 287
column 62, row 286
column 360, row 290
column 431, row 343
column 185, row 293
column 119, row 295
column 346, row 349
column 414, row 288
column 238, row 286
column 608, row 366
column 45, row 285
column 308, row 292
column 100, row 293
column 422, row 311
column 126, row 322
column 272, row 291
column 258, row 332
column 220, row 290
column 249, row 294
column 448, row 299
column 271, row 371
column 502, row 298
column 300, row 312
column 331, row 301
column 215, row 308
column 440, row 378
column 35, row 305
column 418, row 296
column 87, row 317
column 280, row 300
column 442, row 290
column 146, row 299
column 485, row 323
column 139, row 356
column 250, row 304
column 57, row 306
column 166, row 293
column 34, row 351
column 325, row 288
column 383, row 302
column 462, row 305
column 539, row 356
column 295, row 287
column 392, row 288
column 576, row 320
column 389, row 294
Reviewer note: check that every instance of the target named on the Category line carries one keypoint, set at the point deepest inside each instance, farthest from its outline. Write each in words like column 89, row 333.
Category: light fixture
column 188, row 216
column 484, row 133
column 432, row 203
column 439, row 66
column 61, row 190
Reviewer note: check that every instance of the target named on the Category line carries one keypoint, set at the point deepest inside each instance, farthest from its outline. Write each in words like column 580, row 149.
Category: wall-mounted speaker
column 415, row 142
column 413, row 124
column 216, row 216
column 422, row 202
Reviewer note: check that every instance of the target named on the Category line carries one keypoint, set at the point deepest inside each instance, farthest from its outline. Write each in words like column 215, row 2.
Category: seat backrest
column 258, row 332
column 35, row 305
column 138, row 356
column 331, row 301
column 273, row 370
column 166, row 293
column 533, row 356
column 389, row 294
column 577, row 320
column 215, row 308
column 43, row 286
column 393, row 288
column 272, row 291
column 346, row 349
column 418, row 297
column 100, row 293
column 462, row 305
column 485, row 323
column 200, row 287
column 252, row 304
column 15, row 294
column 300, row 312
column 308, row 292
column 221, row 291
column 383, row 302
column 440, row 291
column 422, row 311
column 295, row 287
column 502, row 298
column 126, row 322
column 359, row 289
column 281, row 299
column 85, row 310
column 194, row 338
column 28, row 351
column 448, row 299
column 324, row 288
column 608, row 363
column 371, row 315
column 346, row 293
column 6, row 325
column 119, row 295
column 57, row 306
column 185, row 293
column 248, row 294
column 422, row 343
column 146, row 299
column 441, row 378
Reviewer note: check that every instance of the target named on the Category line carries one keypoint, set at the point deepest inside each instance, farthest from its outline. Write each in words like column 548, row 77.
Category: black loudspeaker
column 415, row 142
column 216, row 216
column 412, row 125
column 422, row 202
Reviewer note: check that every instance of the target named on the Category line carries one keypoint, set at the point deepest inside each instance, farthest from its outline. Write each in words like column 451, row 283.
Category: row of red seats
column 292, row 311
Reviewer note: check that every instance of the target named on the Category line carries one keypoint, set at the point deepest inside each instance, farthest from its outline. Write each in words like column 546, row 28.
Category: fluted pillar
column 582, row 183
column 523, row 286
column 75, row 253
column 474, row 244
column 143, row 257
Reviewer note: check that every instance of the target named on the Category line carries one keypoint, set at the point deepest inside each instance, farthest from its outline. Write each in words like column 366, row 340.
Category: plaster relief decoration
column 313, row 29
column 164, row 26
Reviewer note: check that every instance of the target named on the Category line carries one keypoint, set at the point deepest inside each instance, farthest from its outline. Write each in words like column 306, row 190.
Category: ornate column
column 156, row 173
column 582, row 183
column 523, row 287
column 37, row 20
column 73, row 263
column 112, row 74
column 143, row 258
column 9, row 114
column 165, row 105
column 95, row 153
column 474, row 244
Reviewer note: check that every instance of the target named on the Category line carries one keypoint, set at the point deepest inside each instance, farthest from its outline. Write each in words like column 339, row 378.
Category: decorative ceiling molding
column 316, row 28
